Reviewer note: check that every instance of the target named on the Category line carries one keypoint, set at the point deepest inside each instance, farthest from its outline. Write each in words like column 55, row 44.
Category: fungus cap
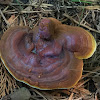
column 48, row 61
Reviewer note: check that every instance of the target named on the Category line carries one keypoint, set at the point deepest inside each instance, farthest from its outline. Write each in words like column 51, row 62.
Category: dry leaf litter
column 83, row 13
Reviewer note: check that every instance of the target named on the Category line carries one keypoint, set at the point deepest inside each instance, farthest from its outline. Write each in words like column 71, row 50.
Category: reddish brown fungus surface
column 47, row 57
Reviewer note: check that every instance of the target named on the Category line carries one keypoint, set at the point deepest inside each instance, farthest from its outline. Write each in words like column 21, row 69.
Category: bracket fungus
column 50, row 56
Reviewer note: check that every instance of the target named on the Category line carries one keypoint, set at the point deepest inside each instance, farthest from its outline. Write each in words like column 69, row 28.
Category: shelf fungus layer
column 48, row 56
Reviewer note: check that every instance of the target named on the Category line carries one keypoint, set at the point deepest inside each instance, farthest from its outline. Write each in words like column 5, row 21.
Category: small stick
column 4, row 18
column 81, row 23
column 15, row 12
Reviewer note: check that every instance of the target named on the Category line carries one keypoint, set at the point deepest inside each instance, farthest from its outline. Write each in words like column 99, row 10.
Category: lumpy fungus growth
column 48, row 56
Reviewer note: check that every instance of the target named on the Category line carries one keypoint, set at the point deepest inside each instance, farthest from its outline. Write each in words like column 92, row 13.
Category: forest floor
column 83, row 13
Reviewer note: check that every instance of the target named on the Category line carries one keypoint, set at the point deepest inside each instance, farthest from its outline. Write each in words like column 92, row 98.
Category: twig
column 35, row 5
column 80, row 23
column 22, row 12
column 41, row 1
column 24, row 21
column 84, row 17
column 97, row 69
column 4, row 18
column 40, row 94
column 71, row 96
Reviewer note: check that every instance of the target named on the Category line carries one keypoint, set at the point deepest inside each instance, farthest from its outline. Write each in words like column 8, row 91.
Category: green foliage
column 84, row 1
